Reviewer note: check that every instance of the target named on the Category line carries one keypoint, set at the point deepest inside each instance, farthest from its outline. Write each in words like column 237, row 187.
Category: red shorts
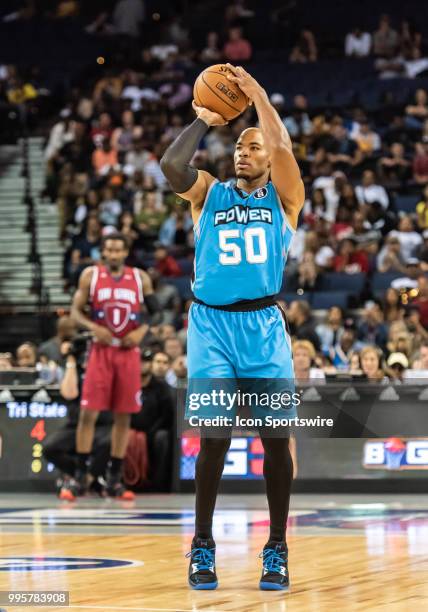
column 112, row 379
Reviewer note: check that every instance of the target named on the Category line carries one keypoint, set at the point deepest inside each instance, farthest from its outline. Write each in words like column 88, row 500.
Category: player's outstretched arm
column 188, row 182
column 285, row 172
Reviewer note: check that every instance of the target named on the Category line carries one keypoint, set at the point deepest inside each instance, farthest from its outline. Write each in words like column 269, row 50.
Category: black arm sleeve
column 175, row 163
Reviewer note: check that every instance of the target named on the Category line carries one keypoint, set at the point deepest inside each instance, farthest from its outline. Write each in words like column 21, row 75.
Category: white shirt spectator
column 373, row 193
column 359, row 46
column 58, row 137
column 326, row 183
column 409, row 241
column 324, row 257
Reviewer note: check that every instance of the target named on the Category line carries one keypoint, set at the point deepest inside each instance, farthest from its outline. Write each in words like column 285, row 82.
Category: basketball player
column 235, row 327
column 116, row 294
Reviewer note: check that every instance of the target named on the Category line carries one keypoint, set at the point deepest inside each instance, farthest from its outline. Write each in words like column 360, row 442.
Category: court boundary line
column 120, row 607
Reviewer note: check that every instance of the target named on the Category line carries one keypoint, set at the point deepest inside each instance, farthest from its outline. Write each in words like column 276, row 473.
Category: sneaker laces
column 272, row 560
column 204, row 557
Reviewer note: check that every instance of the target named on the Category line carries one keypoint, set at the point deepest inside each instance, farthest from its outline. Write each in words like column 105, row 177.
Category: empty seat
column 327, row 299
column 406, row 203
column 383, row 280
column 182, row 284
column 336, row 281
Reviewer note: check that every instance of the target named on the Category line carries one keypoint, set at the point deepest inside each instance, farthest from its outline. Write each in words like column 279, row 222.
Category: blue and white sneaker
column 202, row 575
column 275, row 575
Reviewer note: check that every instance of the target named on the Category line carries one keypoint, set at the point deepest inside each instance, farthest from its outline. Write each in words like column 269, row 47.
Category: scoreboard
column 26, row 419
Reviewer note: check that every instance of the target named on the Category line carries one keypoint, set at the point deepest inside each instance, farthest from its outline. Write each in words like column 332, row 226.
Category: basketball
column 214, row 91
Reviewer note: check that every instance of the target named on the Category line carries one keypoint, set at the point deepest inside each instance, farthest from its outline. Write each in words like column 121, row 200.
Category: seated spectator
column 298, row 122
column 26, row 355
column 417, row 113
column 302, row 326
column 390, row 258
column 371, row 364
column 340, row 353
column 409, row 279
column 160, row 365
column 410, row 40
column 372, row 328
column 86, row 247
column 306, row 48
column 102, row 129
column 348, row 202
column 393, row 309
column 421, row 301
column 422, row 210
column 304, row 356
column 332, row 185
column 421, row 362
column 110, row 208
column 394, row 168
column 174, row 229
column 307, row 277
column 385, row 39
column 237, row 48
column 6, row 361
column 397, row 364
column 315, row 206
column 350, row 259
column 414, row 326
column 341, row 150
column 368, row 140
column 127, row 228
column 422, row 252
column 104, row 158
column 369, row 191
column 61, row 133
column 51, row 349
column 125, row 135
column 331, row 330
column 211, row 53
column 151, row 216
column 420, row 163
column 357, row 43
column 165, row 264
column 86, row 207
column 408, row 238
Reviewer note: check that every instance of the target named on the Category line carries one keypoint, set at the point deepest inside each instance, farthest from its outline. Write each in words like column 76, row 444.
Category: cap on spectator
column 398, row 359
column 277, row 98
column 147, row 355
column 412, row 261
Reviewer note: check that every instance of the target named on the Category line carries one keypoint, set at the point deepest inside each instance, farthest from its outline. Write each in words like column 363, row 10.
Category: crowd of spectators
column 102, row 172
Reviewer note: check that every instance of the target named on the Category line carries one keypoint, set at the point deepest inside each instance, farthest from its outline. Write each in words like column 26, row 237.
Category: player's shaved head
column 251, row 132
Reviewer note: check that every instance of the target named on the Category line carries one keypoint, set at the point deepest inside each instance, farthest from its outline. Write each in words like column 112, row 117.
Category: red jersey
column 116, row 301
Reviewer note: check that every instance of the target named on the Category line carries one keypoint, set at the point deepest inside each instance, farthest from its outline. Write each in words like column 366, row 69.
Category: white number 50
column 232, row 252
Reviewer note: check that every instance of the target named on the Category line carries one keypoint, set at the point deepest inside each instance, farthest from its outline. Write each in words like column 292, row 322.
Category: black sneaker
column 202, row 574
column 74, row 487
column 115, row 487
column 275, row 567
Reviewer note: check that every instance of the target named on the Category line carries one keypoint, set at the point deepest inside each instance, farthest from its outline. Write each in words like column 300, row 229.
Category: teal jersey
column 241, row 244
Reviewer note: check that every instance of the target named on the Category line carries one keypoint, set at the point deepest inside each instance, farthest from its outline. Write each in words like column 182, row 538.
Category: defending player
column 116, row 294
column 243, row 231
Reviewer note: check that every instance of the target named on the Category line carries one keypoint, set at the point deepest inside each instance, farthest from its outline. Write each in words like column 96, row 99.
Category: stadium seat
column 406, row 203
column 289, row 296
column 337, row 281
column 327, row 299
column 383, row 280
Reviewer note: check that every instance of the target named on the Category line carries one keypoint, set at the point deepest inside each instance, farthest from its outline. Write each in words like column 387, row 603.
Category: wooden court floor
column 352, row 555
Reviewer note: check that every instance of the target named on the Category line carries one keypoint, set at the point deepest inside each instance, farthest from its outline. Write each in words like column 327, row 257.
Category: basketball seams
column 216, row 94
column 207, row 71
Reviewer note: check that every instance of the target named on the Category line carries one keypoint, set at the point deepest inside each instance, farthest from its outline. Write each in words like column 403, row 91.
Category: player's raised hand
column 102, row 334
column 244, row 80
column 208, row 116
